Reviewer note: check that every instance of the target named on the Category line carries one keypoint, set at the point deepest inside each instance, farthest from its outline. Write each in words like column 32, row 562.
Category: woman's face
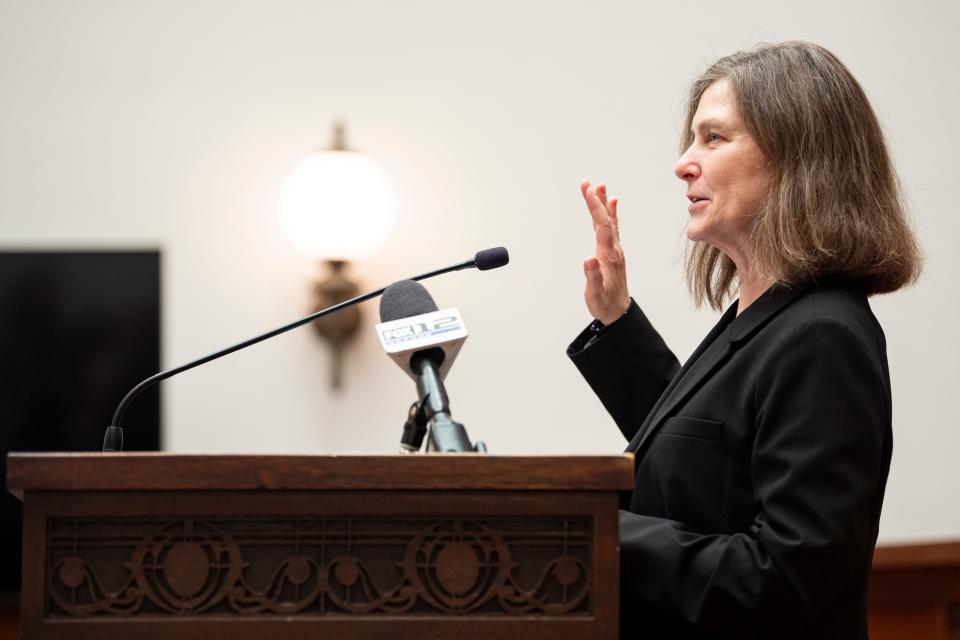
column 726, row 174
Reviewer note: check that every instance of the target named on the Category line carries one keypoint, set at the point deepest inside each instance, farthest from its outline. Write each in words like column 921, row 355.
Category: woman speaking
column 761, row 462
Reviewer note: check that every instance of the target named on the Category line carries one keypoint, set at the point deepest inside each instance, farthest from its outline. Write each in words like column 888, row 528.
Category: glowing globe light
column 338, row 205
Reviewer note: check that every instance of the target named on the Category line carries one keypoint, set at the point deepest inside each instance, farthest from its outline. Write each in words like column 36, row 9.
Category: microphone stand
column 431, row 413
column 445, row 433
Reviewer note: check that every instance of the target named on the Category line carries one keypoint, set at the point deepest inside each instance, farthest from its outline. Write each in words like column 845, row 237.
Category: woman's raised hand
column 606, row 289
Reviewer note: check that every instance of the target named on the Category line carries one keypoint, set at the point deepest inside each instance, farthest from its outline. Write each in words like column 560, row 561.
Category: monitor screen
column 78, row 329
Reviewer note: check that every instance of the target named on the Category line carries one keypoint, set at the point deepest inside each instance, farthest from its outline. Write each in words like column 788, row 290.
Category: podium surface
column 155, row 545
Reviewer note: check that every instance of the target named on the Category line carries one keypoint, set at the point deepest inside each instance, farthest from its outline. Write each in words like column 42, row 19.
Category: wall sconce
column 338, row 206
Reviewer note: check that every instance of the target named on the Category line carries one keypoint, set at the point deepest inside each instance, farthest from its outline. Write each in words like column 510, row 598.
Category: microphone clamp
column 414, row 429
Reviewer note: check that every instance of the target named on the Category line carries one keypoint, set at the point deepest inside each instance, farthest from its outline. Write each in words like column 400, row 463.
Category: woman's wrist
column 616, row 315
column 598, row 326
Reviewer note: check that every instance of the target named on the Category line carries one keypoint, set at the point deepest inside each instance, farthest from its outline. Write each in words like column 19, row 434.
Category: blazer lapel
column 733, row 331
column 718, row 328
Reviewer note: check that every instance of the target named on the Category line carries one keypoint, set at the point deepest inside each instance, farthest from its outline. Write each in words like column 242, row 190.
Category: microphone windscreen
column 404, row 299
column 491, row 258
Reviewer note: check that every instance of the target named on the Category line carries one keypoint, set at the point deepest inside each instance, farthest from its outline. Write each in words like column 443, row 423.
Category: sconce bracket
column 337, row 328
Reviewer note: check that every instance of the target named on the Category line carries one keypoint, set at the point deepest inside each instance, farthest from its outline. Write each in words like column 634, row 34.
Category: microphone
column 490, row 259
column 113, row 438
column 410, row 323
column 424, row 341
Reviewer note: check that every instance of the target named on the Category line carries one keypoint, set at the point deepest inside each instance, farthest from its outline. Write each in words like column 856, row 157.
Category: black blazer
column 760, row 467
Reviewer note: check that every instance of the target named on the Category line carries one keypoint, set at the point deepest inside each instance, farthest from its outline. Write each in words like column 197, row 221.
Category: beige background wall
column 172, row 124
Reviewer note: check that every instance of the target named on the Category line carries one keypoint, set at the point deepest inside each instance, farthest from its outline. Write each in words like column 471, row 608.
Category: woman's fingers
column 606, row 287
column 591, row 269
column 595, row 290
column 600, row 191
column 598, row 211
column 604, row 227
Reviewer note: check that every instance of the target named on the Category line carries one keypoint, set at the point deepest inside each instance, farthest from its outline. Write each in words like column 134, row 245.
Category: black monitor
column 78, row 329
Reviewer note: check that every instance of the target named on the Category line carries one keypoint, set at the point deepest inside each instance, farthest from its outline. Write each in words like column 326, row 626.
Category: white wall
column 172, row 124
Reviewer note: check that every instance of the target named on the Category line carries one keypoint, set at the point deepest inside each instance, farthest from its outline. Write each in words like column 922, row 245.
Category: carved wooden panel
column 333, row 566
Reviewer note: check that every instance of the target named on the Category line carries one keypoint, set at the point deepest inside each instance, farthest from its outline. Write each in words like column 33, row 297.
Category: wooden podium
column 462, row 546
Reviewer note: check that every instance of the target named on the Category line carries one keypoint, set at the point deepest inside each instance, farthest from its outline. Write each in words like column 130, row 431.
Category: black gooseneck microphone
column 113, row 438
